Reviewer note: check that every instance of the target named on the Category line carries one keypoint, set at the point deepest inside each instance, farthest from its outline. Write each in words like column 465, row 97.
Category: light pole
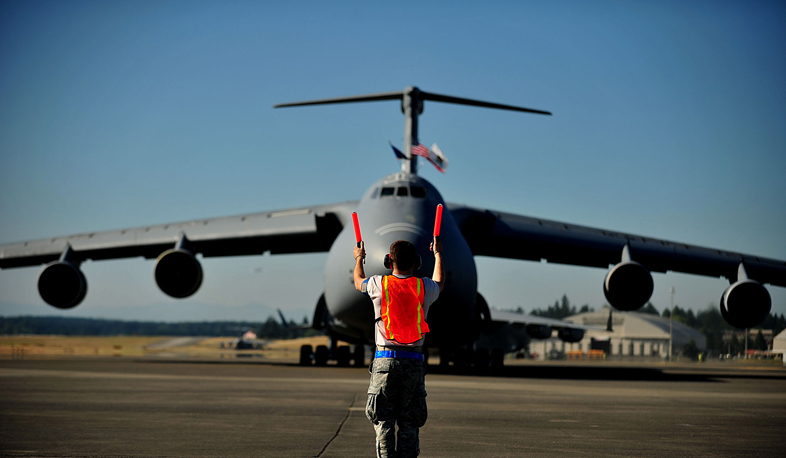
column 671, row 318
column 746, row 343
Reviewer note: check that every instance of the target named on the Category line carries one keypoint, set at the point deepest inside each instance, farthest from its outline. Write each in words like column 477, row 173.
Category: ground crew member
column 397, row 391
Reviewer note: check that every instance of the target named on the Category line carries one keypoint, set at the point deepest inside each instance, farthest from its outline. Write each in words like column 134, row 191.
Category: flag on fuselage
column 399, row 154
column 420, row 150
column 438, row 159
column 434, row 155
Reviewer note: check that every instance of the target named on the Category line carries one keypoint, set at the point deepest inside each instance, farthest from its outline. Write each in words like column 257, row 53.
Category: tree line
column 65, row 326
column 708, row 321
column 713, row 326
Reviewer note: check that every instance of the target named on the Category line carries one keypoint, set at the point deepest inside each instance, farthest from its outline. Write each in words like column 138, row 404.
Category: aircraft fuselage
column 402, row 206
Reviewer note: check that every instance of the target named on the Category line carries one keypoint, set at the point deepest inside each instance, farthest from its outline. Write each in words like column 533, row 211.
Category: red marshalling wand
column 358, row 238
column 438, row 220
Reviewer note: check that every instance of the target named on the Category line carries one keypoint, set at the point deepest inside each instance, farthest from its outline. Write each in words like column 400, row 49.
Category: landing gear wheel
column 482, row 358
column 306, row 353
column 497, row 358
column 343, row 356
column 359, row 355
column 321, row 355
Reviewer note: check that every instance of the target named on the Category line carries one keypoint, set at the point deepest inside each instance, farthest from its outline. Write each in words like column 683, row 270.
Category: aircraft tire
column 481, row 358
column 306, row 354
column 497, row 358
column 343, row 356
column 359, row 355
column 321, row 355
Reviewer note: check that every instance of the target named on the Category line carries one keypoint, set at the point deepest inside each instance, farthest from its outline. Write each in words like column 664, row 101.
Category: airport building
column 779, row 345
column 751, row 335
column 634, row 336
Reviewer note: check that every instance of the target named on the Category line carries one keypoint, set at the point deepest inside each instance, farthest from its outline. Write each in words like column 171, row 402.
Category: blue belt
column 399, row 354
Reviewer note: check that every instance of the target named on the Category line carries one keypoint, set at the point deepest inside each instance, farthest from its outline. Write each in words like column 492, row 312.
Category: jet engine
column 539, row 331
column 628, row 286
column 745, row 304
column 178, row 273
column 571, row 335
column 61, row 284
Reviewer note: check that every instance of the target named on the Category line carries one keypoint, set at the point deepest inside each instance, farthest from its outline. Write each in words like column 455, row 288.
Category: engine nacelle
column 628, row 286
column 571, row 335
column 178, row 273
column 538, row 331
column 62, row 285
column 745, row 304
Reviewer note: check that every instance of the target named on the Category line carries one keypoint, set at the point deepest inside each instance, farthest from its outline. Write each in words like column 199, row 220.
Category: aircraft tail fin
column 412, row 100
column 283, row 320
column 289, row 326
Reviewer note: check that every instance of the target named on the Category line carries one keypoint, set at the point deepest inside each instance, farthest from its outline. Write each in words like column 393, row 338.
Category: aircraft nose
column 402, row 230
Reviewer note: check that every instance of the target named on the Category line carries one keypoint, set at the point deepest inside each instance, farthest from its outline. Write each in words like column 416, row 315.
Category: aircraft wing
column 507, row 235
column 499, row 317
column 298, row 230
column 512, row 331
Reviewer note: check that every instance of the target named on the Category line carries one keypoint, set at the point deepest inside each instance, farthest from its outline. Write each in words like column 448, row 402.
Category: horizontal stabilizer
column 477, row 103
column 357, row 98
column 412, row 100
column 412, row 91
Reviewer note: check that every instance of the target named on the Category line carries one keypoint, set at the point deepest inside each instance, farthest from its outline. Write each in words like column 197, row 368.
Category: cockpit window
column 402, row 191
column 386, row 192
column 374, row 193
column 418, row 191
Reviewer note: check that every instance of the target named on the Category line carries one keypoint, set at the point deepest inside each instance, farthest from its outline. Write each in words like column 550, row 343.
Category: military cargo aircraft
column 402, row 206
column 247, row 341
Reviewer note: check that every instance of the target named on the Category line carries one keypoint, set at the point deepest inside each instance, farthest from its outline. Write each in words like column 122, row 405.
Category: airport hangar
column 779, row 345
column 634, row 335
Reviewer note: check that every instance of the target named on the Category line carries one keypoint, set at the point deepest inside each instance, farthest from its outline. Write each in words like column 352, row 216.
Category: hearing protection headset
column 389, row 262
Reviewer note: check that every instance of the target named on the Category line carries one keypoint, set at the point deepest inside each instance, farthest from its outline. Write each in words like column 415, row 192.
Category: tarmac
column 118, row 407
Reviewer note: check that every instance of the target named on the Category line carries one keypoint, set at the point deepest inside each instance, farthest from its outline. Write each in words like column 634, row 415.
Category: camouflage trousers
column 397, row 397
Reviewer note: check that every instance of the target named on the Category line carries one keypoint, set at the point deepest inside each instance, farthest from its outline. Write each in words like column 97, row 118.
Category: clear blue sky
column 669, row 121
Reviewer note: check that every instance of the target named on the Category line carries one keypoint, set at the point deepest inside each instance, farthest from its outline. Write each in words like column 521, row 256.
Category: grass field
column 56, row 347
column 22, row 347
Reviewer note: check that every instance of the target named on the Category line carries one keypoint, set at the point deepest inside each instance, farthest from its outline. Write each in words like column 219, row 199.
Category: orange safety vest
column 402, row 309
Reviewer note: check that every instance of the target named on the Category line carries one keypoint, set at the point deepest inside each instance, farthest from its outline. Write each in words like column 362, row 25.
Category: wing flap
column 499, row 316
